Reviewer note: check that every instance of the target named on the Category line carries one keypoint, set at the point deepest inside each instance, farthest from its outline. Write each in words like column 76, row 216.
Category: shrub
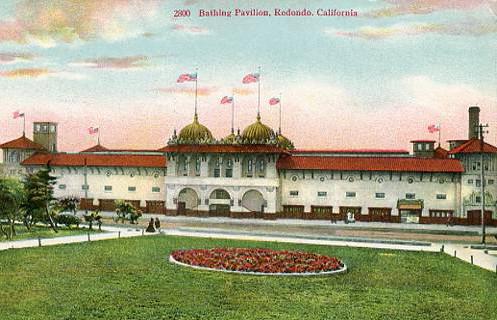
column 68, row 220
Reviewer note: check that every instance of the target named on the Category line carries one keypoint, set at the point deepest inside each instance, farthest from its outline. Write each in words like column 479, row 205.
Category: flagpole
column 232, row 111
column 24, row 125
column 259, row 93
column 279, row 128
column 439, row 133
column 196, row 88
column 98, row 136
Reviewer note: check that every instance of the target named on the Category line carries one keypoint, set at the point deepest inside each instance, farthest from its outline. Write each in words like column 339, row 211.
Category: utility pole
column 481, row 133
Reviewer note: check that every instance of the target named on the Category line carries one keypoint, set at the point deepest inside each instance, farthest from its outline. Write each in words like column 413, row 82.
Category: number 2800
column 181, row 13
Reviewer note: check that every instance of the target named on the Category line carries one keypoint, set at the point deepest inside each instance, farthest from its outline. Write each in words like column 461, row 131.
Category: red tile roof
column 97, row 160
column 22, row 143
column 473, row 146
column 441, row 153
column 96, row 148
column 407, row 164
column 298, row 151
column 223, row 148
column 423, row 141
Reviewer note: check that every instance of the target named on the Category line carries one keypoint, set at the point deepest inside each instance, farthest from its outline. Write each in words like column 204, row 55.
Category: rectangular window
column 155, row 189
column 410, row 196
column 441, row 196
column 350, row 194
column 62, row 186
column 478, row 182
column 490, row 181
column 217, row 172
column 229, row 173
column 470, row 181
column 107, row 188
column 131, row 189
column 379, row 195
column 478, row 200
column 322, row 194
column 294, row 193
column 476, row 166
column 85, row 187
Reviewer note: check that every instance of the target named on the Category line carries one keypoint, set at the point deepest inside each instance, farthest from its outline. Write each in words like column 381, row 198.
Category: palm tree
column 69, row 204
column 126, row 211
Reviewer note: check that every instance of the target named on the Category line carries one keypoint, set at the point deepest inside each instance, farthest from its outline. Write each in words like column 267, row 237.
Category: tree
column 92, row 217
column 126, row 211
column 11, row 199
column 40, row 203
column 69, row 204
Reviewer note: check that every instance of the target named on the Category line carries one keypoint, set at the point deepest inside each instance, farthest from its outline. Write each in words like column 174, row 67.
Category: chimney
column 474, row 121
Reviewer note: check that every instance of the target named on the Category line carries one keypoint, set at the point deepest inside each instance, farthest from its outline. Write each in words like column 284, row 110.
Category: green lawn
column 45, row 232
column 132, row 279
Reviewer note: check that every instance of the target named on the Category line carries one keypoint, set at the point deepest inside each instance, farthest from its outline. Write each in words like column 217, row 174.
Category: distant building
column 257, row 173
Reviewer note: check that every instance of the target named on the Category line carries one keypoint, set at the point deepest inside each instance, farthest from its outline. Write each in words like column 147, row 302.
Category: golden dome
column 257, row 132
column 231, row 138
column 195, row 133
column 284, row 142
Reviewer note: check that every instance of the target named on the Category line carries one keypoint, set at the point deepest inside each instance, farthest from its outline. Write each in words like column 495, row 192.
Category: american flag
column 92, row 130
column 251, row 77
column 17, row 114
column 433, row 128
column 226, row 100
column 274, row 101
column 187, row 77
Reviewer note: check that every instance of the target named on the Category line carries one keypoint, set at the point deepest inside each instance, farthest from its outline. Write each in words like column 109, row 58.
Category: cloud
column 188, row 29
column 130, row 62
column 201, row 91
column 14, row 57
column 25, row 73
column 40, row 73
column 46, row 23
column 243, row 91
column 404, row 7
column 469, row 28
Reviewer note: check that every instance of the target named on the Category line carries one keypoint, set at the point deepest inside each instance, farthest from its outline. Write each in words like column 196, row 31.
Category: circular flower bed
column 258, row 261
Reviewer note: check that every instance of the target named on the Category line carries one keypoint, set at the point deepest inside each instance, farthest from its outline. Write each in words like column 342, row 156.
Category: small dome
column 230, row 139
column 284, row 142
column 257, row 132
column 195, row 133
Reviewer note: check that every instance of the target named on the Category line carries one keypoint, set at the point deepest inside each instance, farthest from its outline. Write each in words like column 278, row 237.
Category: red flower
column 258, row 260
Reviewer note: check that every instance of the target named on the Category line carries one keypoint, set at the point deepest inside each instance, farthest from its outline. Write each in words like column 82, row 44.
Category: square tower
column 45, row 133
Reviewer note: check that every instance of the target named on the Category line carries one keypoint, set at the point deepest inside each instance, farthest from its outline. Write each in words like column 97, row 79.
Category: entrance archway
column 219, row 203
column 253, row 201
column 187, row 200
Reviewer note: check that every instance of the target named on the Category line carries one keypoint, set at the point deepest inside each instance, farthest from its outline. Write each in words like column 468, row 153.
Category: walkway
column 463, row 252
column 111, row 233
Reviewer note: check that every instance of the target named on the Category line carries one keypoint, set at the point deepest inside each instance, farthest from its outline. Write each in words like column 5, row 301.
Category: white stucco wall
column 308, row 185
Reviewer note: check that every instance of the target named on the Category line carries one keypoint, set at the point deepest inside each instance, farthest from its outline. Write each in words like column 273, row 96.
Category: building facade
column 257, row 173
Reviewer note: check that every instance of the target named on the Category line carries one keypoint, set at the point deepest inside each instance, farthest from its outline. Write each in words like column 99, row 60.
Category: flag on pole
column 17, row 114
column 92, row 130
column 433, row 128
column 187, row 77
column 251, row 77
column 274, row 101
column 226, row 100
